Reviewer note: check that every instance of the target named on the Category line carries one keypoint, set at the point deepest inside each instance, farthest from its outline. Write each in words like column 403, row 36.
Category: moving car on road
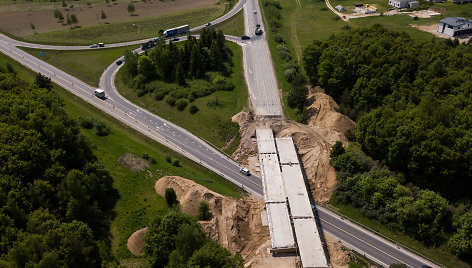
column 101, row 44
column 175, row 39
column 245, row 37
column 119, row 62
column 208, row 24
column 93, row 46
column 245, row 171
column 255, row 11
column 99, row 93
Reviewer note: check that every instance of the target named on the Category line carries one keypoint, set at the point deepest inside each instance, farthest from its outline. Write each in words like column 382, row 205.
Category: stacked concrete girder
column 287, row 202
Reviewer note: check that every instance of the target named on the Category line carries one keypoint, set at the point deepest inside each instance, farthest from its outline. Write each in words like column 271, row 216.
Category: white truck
column 99, row 93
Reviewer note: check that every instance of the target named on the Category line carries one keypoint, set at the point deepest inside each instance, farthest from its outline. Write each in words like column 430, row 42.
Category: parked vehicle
column 245, row 171
column 99, row 93
column 93, row 46
column 245, row 37
column 176, row 31
column 101, row 45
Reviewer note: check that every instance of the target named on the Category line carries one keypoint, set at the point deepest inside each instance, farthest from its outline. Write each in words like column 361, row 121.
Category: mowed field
column 18, row 23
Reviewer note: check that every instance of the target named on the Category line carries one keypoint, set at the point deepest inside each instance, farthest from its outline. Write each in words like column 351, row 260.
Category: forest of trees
column 413, row 107
column 56, row 199
column 156, row 71
column 411, row 101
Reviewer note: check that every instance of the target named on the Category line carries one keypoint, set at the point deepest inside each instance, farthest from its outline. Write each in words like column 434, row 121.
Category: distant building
column 400, row 3
column 455, row 26
column 414, row 4
column 366, row 9
column 340, row 8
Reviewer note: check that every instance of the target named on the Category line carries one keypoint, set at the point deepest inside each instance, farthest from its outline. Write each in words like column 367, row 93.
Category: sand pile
column 235, row 224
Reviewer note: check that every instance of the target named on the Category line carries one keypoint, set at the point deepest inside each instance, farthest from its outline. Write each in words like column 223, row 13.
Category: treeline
column 56, row 200
column 205, row 58
column 177, row 240
column 411, row 100
column 381, row 195
column 298, row 92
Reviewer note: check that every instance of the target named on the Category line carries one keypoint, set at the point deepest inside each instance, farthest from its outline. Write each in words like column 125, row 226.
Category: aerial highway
column 182, row 141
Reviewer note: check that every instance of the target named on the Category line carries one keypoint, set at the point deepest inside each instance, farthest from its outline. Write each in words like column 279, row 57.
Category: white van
column 99, row 93
column 245, row 171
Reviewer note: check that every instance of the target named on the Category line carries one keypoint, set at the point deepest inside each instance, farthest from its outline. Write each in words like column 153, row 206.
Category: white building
column 400, row 3
column 340, row 8
column 455, row 26
column 366, row 9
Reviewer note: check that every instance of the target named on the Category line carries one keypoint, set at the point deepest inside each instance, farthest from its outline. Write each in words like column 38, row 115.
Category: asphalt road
column 258, row 67
column 199, row 151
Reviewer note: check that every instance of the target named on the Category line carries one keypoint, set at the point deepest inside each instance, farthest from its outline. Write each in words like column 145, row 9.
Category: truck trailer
column 176, row 31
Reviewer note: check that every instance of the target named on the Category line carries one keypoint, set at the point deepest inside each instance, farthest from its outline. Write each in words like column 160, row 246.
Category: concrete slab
column 274, row 190
column 296, row 191
column 309, row 243
column 265, row 141
column 280, row 228
column 287, row 152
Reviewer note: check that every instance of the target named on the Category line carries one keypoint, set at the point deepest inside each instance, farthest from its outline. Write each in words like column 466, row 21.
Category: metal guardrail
column 377, row 233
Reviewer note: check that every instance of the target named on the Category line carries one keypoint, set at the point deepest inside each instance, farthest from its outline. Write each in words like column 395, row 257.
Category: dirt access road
column 18, row 23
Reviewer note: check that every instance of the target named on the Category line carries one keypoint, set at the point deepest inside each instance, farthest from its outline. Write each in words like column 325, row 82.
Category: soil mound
column 133, row 162
column 235, row 224
column 136, row 241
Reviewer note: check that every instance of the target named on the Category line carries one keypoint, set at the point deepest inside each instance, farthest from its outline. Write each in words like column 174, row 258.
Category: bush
column 176, row 163
column 85, row 122
column 346, row 27
column 159, row 94
column 170, row 100
column 168, row 159
column 336, row 18
column 290, row 74
column 101, row 129
column 193, row 109
column 278, row 38
column 286, row 56
column 290, row 65
column 181, row 104
column 203, row 211
column 282, row 48
column 324, row 9
column 171, row 197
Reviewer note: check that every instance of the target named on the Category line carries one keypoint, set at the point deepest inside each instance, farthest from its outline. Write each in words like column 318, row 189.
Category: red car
column 344, row 17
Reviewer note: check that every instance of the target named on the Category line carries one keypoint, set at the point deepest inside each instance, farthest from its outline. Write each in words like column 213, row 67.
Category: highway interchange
column 259, row 75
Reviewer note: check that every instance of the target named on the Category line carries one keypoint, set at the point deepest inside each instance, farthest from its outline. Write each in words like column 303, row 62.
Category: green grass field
column 439, row 254
column 206, row 122
column 233, row 26
column 127, row 30
column 138, row 201
column 78, row 62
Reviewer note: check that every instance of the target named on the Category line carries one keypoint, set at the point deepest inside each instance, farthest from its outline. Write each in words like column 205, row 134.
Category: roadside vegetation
column 233, row 26
column 197, row 84
column 138, row 202
column 87, row 65
column 412, row 107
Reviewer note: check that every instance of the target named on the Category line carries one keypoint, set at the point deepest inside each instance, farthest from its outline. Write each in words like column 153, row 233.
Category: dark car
column 101, row 45
column 245, row 37
column 119, row 62
column 208, row 24
column 175, row 39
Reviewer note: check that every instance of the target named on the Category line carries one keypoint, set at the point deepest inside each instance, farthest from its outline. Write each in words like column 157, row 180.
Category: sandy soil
column 433, row 29
column 313, row 141
column 136, row 241
column 133, row 162
column 18, row 22
column 339, row 257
